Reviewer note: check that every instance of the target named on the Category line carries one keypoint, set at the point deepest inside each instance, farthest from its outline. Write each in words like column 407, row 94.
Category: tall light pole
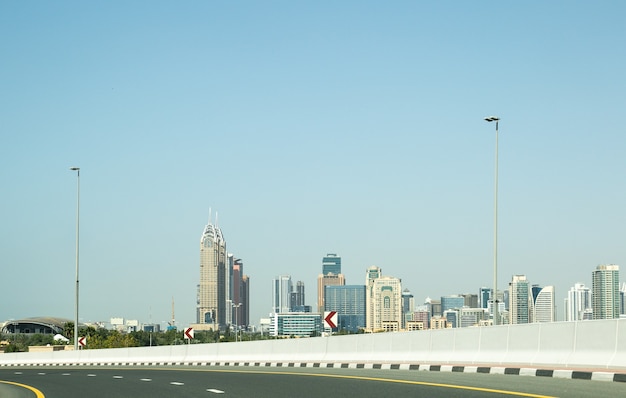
column 495, row 228
column 77, row 170
column 236, row 307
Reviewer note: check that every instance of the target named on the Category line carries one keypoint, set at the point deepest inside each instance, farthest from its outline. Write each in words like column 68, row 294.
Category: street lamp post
column 236, row 307
column 77, row 170
column 495, row 228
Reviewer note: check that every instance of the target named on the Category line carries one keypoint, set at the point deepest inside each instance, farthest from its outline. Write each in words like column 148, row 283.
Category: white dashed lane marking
column 118, row 377
column 66, row 374
column 177, row 383
column 91, row 375
column 145, row 379
column 213, row 390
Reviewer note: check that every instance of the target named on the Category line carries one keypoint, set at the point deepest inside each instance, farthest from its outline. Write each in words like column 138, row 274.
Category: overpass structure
column 585, row 348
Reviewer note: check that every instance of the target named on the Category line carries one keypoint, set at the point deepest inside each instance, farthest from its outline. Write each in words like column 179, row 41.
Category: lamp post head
column 492, row 118
column 75, row 168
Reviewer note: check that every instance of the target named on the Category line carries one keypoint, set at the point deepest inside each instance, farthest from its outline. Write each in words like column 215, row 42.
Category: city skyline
column 354, row 128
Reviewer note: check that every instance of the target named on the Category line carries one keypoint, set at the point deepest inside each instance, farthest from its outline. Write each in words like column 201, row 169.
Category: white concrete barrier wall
column 588, row 344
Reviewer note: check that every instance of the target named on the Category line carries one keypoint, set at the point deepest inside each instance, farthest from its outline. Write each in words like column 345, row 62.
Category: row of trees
column 105, row 338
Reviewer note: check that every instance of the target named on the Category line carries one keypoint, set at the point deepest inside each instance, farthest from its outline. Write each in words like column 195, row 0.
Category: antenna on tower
column 172, row 323
column 216, row 224
column 209, row 214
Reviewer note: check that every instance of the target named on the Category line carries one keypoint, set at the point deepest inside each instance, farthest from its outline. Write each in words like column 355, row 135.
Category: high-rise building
column 578, row 303
column 213, row 290
column 543, row 308
column 297, row 297
column 240, row 295
column 471, row 300
column 331, row 276
column 281, row 294
column 605, row 286
column 519, row 300
column 484, row 295
column 408, row 307
column 383, row 301
column 452, row 302
column 331, row 264
column 622, row 299
column 350, row 304
column 245, row 297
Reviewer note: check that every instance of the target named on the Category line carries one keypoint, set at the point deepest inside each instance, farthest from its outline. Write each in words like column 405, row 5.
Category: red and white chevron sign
column 82, row 341
column 189, row 333
column 330, row 319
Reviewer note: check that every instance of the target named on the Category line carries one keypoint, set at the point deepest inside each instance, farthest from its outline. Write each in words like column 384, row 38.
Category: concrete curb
column 518, row 371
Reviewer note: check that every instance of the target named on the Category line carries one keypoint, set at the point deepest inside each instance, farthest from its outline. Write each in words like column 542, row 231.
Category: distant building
column 422, row 314
column 578, row 303
column 520, row 300
column 473, row 317
column 331, row 264
column 213, row 291
column 350, row 304
column 452, row 302
column 605, row 286
column 298, row 324
column 297, row 297
column 484, row 295
column 438, row 322
column 543, row 308
column 433, row 306
column 383, row 300
column 471, row 300
column 622, row 299
column 38, row 325
column 331, row 276
column 240, row 295
column 281, row 294
column 408, row 307
column 452, row 318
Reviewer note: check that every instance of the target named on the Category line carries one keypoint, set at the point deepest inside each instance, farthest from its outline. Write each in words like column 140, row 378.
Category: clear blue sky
column 349, row 127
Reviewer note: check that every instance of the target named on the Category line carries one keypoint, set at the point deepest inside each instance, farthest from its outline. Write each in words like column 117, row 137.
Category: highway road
column 154, row 382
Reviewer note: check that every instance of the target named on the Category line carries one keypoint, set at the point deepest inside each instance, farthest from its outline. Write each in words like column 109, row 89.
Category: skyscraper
column 408, row 307
column 519, row 300
column 297, row 298
column 543, row 304
column 331, row 276
column 281, row 294
column 383, row 301
column 331, row 264
column 605, row 286
column 212, row 291
column 240, row 298
column 622, row 299
column 349, row 302
column 578, row 304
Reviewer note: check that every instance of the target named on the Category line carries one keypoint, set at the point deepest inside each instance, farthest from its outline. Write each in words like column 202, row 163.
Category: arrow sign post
column 82, row 341
column 188, row 333
column 330, row 319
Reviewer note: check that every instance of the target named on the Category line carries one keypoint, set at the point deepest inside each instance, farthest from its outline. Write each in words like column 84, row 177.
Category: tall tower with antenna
column 212, row 292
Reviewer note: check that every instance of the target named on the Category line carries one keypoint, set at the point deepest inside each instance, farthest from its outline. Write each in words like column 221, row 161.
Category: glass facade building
column 349, row 302
column 331, row 264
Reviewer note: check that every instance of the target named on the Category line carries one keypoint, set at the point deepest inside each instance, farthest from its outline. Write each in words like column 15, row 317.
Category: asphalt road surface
column 155, row 382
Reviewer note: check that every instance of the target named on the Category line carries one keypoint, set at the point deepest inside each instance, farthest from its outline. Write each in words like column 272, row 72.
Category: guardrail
column 569, row 345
